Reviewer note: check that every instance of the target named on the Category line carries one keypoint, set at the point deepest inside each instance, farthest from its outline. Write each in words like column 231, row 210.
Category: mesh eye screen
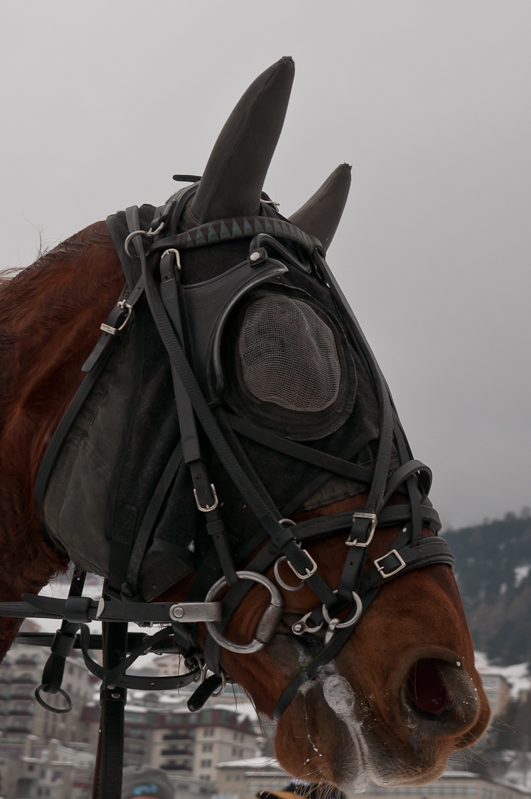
column 288, row 355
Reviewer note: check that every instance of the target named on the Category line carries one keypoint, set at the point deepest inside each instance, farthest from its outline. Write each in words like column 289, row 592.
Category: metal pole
column 110, row 756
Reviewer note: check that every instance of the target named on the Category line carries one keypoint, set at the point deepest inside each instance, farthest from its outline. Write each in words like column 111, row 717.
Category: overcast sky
column 429, row 100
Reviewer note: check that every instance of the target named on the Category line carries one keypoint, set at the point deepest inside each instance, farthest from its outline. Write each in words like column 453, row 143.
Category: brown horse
column 402, row 693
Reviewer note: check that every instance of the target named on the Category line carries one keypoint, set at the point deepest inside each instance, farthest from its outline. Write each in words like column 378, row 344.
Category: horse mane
column 50, row 313
column 40, row 301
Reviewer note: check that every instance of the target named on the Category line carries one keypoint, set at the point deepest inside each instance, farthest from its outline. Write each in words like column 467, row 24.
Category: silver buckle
column 374, row 521
column 114, row 330
column 207, row 508
column 309, row 572
column 176, row 253
column 381, row 569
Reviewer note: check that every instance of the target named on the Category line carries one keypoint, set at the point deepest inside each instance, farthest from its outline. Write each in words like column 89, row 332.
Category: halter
column 279, row 539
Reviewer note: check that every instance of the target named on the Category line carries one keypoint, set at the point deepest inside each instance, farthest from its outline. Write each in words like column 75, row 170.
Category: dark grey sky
column 429, row 100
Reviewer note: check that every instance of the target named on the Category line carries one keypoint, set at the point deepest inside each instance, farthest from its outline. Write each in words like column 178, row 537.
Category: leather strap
column 328, row 463
column 63, row 642
column 233, row 228
column 61, row 432
column 94, row 366
column 130, row 590
column 209, row 424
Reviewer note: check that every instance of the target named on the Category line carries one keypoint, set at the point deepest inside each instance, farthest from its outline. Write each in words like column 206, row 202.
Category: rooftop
column 253, row 763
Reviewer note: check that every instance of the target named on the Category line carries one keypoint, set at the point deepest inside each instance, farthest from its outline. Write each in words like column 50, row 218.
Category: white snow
column 520, row 574
column 518, row 775
column 252, row 763
column 517, row 675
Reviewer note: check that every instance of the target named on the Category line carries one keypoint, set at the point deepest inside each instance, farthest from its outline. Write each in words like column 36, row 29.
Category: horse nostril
column 426, row 689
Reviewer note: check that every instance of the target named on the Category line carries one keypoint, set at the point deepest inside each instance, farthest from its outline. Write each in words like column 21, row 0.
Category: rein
column 280, row 538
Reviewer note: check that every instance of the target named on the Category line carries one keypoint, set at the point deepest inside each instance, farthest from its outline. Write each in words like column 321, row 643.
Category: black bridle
column 278, row 539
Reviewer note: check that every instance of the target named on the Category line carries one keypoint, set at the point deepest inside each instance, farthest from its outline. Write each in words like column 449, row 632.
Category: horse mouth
column 427, row 691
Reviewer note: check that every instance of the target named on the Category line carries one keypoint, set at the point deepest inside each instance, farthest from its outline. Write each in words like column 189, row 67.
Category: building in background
column 21, row 715
column 457, row 784
column 54, row 771
column 165, row 735
column 242, row 779
column 44, row 754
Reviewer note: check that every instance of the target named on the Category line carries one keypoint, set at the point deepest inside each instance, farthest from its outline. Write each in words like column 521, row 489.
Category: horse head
column 284, row 485
column 400, row 692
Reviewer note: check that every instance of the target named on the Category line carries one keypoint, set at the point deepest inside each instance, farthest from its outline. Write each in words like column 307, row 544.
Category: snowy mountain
column 493, row 570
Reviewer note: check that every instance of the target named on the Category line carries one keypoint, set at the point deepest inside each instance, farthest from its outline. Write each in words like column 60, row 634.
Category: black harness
column 276, row 249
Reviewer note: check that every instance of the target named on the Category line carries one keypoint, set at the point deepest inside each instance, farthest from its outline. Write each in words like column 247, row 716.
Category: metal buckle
column 207, row 508
column 374, row 521
column 176, row 253
column 279, row 579
column 309, row 572
column 381, row 569
column 114, row 330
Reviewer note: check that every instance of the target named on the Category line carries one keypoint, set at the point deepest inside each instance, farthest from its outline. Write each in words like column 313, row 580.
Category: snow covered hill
column 494, row 575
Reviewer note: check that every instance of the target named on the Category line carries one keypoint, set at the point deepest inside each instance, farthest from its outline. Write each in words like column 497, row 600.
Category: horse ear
column 232, row 181
column 321, row 215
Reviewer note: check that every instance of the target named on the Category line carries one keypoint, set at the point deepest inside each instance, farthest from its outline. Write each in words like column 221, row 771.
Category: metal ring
column 130, row 237
column 148, row 233
column 152, row 233
column 279, row 579
column 287, row 522
column 46, row 706
column 349, row 622
column 276, row 601
column 203, row 673
column 202, row 677
column 221, row 689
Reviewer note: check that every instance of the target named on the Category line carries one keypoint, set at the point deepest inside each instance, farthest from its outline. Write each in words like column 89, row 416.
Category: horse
column 398, row 691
